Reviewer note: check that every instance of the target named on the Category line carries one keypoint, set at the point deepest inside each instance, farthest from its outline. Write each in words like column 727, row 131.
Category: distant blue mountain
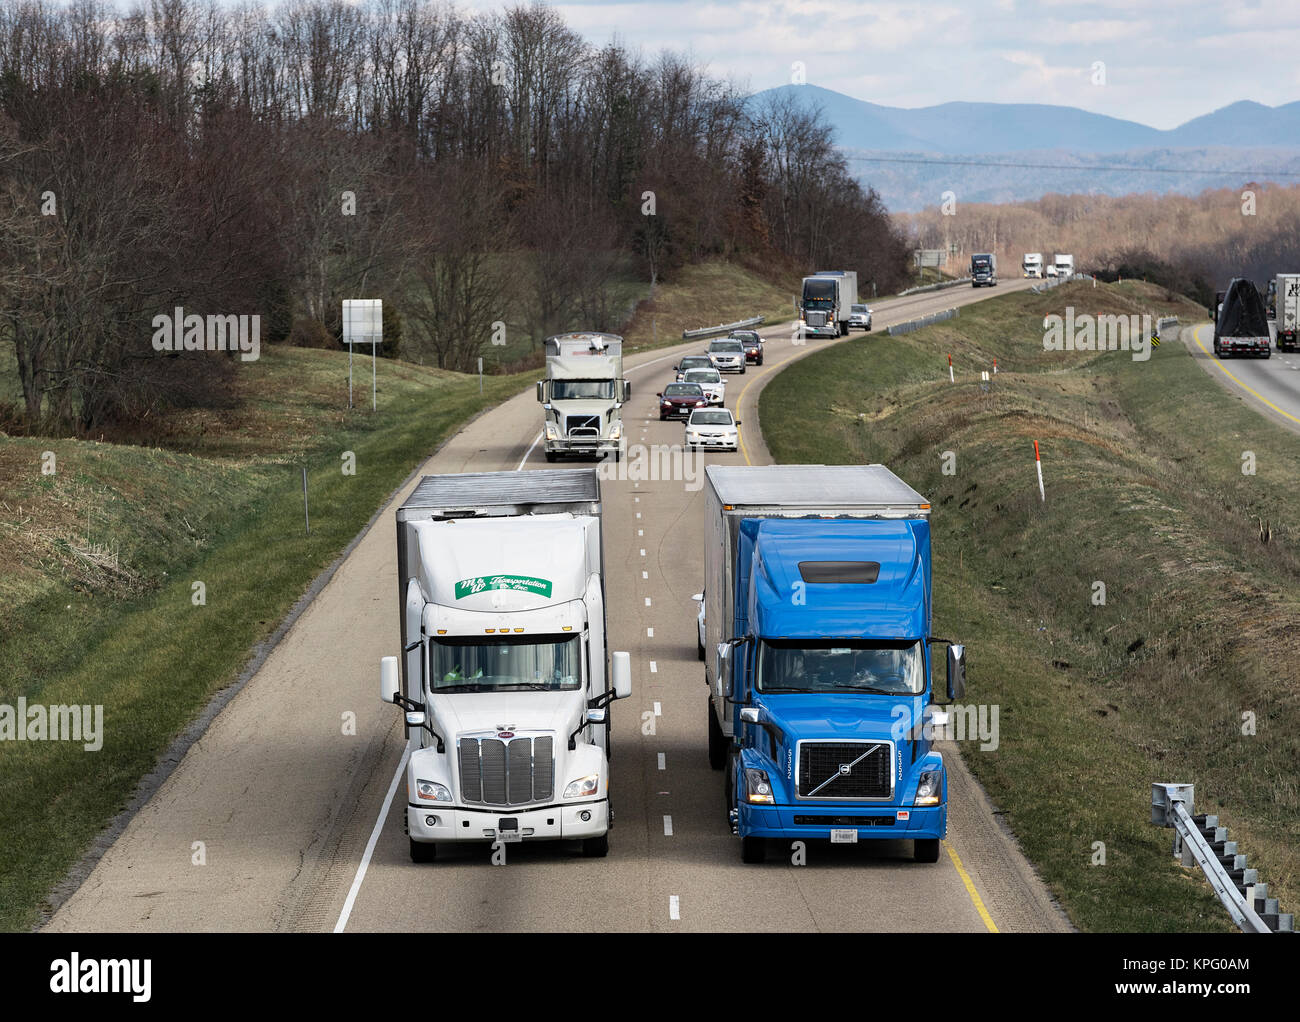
column 980, row 128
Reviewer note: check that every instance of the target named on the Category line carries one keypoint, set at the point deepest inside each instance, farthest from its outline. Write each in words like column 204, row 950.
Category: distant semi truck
column 583, row 394
column 983, row 270
column 827, row 302
column 1032, row 264
column 1287, row 299
column 1064, row 264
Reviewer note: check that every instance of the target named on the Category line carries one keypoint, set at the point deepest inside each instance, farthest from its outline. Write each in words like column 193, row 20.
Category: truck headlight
column 431, row 791
column 583, row 787
column 551, row 432
column 757, row 787
column 930, row 788
column 616, row 431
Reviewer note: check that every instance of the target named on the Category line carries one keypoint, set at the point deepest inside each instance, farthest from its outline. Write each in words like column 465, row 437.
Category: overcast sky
column 1165, row 62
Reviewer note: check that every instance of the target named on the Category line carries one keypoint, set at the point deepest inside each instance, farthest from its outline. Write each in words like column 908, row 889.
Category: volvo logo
column 845, row 769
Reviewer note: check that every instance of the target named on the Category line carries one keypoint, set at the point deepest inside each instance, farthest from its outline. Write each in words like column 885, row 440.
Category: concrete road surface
column 276, row 819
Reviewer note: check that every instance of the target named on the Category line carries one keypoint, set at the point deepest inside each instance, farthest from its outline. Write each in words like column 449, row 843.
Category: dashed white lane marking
column 668, row 826
column 662, row 764
column 649, row 633
column 647, row 601
column 638, row 514
column 640, row 532
column 674, row 907
column 659, row 710
column 645, row 574
column 654, row 667
column 642, row 553
column 636, row 500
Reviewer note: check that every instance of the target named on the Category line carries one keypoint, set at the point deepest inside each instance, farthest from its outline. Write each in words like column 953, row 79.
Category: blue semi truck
column 817, row 631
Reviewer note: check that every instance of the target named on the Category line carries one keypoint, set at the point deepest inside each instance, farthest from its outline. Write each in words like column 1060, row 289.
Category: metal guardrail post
column 1171, row 806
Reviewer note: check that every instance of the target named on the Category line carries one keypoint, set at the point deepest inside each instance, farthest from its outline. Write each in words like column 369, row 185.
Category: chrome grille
column 501, row 772
column 582, row 426
column 820, row 764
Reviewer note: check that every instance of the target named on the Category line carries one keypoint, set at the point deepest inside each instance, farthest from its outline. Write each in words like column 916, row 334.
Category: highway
column 278, row 819
column 1270, row 385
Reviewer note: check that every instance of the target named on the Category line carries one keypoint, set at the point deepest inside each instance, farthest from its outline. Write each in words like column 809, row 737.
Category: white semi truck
column 582, row 396
column 504, row 674
column 827, row 302
column 1287, row 302
column 1032, row 264
column 1064, row 264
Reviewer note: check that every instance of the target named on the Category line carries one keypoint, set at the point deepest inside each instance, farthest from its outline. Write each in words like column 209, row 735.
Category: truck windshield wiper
column 780, row 688
column 874, row 691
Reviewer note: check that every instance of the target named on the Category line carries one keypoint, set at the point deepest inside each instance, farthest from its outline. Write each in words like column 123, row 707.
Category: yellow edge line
column 1196, row 336
column 738, row 403
column 970, row 889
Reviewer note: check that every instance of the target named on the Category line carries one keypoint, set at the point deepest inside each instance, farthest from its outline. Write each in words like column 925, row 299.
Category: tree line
column 467, row 169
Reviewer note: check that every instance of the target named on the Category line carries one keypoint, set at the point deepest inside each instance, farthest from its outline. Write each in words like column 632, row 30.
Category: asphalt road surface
column 278, row 820
column 1271, row 385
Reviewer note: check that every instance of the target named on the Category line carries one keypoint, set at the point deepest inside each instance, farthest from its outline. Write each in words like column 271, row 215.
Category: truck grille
column 820, row 762
column 816, row 319
column 500, row 772
column 582, row 427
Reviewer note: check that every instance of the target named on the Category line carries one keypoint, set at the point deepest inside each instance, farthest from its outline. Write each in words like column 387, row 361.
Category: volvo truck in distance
column 1032, row 264
column 582, row 396
column 818, row 652
column 1064, row 264
column 827, row 302
column 983, row 270
column 1287, row 304
column 504, row 675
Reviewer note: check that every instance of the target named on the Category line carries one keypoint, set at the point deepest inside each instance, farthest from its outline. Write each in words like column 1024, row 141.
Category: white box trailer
column 504, row 674
column 1287, row 298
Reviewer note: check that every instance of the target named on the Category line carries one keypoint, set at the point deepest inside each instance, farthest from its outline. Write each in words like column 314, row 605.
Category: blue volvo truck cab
column 818, row 633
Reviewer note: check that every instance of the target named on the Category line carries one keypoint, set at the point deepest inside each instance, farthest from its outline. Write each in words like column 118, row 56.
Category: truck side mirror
column 596, row 716
column 627, row 389
column 622, row 671
column 749, row 714
column 541, row 391
column 956, row 671
column 415, row 718
column 388, row 679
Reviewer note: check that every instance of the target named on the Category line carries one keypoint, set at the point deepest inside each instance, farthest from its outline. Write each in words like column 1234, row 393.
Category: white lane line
column 341, row 925
column 640, row 532
column 642, row 553
column 659, row 711
column 647, row 601
column 638, row 514
column 654, row 667
column 524, row 459
column 674, row 907
column 636, row 500
column 649, row 633
column 668, row 826
column 662, row 764
column 645, row 574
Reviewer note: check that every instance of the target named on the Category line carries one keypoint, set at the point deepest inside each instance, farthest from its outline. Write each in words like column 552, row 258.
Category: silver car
column 728, row 355
column 860, row 315
column 710, row 381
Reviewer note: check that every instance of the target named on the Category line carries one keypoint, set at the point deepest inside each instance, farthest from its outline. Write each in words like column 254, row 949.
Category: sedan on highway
column 678, row 400
column 692, row 362
column 752, row 343
column 710, row 381
column 728, row 355
column 860, row 315
column 713, row 428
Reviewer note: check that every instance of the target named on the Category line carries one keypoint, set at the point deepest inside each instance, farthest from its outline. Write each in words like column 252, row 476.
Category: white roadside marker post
column 951, row 379
column 1039, row 463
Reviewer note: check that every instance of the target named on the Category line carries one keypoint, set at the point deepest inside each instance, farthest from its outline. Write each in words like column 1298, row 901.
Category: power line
column 1076, row 166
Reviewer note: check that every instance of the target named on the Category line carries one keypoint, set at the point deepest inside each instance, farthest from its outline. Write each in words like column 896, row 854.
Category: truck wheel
column 753, row 849
column 422, row 851
column 699, row 649
column 926, row 850
column 717, row 741
column 550, row 457
column 595, row 847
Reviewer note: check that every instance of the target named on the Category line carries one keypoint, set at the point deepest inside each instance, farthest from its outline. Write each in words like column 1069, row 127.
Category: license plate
column 844, row 837
column 510, row 837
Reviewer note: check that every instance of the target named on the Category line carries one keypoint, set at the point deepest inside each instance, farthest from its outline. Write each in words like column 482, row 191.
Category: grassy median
column 1186, row 672
column 101, row 558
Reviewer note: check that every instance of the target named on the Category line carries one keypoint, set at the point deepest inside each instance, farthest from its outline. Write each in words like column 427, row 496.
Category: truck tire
column 926, row 850
column 717, row 741
column 699, row 649
column 422, row 851
column 595, row 847
column 753, row 849
column 550, row 457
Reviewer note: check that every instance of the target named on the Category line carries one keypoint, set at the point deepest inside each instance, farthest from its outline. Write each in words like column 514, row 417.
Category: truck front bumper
column 596, row 445
column 555, row 823
column 883, row 823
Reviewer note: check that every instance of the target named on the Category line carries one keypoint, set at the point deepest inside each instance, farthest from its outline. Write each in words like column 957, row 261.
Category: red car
column 753, row 345
column 680, row 399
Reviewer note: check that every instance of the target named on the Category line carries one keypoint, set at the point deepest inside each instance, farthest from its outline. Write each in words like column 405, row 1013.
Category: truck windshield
column 838, row 665
column 981, row 262
column 814, row 290
column 582, row 390
column 508, row 664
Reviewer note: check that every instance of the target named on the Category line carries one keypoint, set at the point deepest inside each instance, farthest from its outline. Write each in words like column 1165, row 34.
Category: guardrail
column 1200, row 840
column 1163, row 322
column 1051, row 282
column 706, row 331
column 933, row 287
column 917, row 324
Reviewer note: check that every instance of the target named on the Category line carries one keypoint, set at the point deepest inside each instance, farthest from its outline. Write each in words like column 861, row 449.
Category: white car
column 1051, row 270
column 860, row 315
column 710, row 381
column 699, row 626
column 713, row 427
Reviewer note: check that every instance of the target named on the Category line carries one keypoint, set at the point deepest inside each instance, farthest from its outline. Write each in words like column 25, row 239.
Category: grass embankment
column 1145, row 492
column 99, row 560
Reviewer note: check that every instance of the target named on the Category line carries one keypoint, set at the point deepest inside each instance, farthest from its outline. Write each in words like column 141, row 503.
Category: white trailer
column 827, row 302
column 582, row 396
column 1287, row 298
column 1064, row 264
column 504, row 674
